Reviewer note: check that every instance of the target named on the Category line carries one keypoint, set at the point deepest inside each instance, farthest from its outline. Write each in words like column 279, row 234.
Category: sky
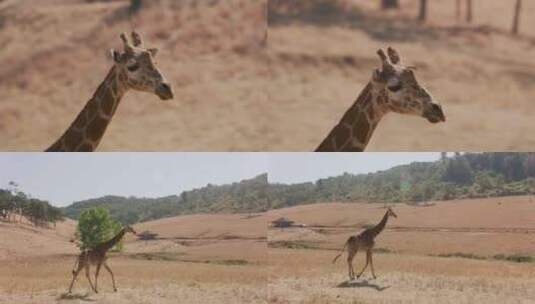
column 63, row 178
column 304, row 167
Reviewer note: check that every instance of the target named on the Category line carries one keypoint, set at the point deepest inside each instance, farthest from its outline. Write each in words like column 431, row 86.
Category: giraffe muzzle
column 164, row 91
column 435, row 114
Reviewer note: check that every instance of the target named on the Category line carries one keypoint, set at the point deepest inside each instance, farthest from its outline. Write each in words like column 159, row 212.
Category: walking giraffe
column 97, row 256
column 365, row 241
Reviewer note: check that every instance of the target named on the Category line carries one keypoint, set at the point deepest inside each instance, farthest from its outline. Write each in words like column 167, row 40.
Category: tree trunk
column 469, row 11
column 423, row 10
column 516, row 18
column 387, row 4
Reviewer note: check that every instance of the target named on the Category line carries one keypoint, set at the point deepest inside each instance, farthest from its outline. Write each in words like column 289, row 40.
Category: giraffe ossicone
column 135, row 69
column 392, row 88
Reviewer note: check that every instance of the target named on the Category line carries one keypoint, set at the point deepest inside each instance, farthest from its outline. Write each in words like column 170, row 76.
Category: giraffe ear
column 153, row 51
column 116, row 56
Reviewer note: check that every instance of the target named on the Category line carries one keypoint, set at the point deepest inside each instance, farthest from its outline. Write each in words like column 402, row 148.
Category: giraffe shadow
column 81, row 297
column 361, row 284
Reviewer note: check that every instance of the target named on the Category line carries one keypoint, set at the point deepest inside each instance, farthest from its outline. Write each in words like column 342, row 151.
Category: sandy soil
column 210, row 51
column 214, row 264
column 484, row 78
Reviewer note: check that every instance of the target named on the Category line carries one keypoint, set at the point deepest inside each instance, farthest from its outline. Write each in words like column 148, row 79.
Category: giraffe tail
column 341, row 252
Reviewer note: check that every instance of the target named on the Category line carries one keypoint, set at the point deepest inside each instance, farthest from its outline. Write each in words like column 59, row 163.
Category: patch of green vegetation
column 158, row 256
column 382, row 250
column 229, row 262
column 293, row 245
column 461, row 255
column 517, row 258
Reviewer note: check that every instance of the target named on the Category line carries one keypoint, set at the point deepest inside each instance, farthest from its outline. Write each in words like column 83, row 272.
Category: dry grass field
column 55, row 53
column 484, row 78
column 410, row 263
column 195, row 259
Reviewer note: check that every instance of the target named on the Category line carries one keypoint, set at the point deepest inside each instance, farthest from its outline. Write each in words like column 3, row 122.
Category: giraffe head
column 400, row 91
column 128, row 228
column 390, row 212
column 137, row 69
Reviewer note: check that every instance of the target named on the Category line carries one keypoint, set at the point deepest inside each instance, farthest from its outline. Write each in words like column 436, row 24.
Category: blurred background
column 54, row 54
column 477, row 57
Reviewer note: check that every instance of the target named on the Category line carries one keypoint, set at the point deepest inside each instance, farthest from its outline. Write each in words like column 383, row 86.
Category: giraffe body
column 364, row 241
column 97, row 256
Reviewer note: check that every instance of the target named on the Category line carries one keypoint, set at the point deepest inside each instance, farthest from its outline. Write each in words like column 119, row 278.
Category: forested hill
column 468, row 175
column 244, row 196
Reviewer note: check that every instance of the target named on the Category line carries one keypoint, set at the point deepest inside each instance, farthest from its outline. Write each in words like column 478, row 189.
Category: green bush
column 96, row 226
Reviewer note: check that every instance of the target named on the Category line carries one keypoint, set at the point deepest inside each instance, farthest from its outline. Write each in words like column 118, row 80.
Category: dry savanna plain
column 55, row 53
column 441, row 252
column 322, row 54
column 194, row 259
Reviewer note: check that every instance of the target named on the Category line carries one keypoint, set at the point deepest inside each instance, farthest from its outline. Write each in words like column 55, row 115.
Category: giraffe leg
column 74, row 275
column 96, row 276
column 89, row 277
column 350, row 266
column 112, row 278
column 351, row 252
column 367, row 262
column 371, row 265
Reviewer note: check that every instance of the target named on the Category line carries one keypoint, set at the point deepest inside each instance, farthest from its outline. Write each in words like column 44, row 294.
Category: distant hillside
column 244, row 196
column 470, row 175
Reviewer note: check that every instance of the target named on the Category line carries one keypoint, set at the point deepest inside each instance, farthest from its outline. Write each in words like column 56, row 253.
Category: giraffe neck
column 85, row 133
column 112, row 242
column 379, row 227
column 356, row 127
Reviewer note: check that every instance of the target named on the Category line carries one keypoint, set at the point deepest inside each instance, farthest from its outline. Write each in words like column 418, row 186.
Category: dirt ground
column 408, row 262
column 216, row 264
column 55, row 53
column 483, row 77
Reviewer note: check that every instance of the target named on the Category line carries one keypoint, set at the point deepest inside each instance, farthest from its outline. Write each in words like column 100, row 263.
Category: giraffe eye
column 133, row 67
column 395, row 88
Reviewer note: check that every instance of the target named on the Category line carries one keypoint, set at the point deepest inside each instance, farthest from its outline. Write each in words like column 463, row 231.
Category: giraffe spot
column 371, row 111
column 85, row 147
column 72, row 139
column 108, row 103
column 81, row 121
column 361, row 128
column 353, row 148
column 350, row 115
column 91, row 109
column 96, row 128
column 342, row 135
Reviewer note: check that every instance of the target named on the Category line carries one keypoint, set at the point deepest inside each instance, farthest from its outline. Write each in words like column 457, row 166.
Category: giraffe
column 365, row 241
column 393, row 88
column 97, row 256
column 135, row 69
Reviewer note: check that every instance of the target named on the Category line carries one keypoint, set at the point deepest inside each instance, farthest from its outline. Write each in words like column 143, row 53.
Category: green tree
column 94, row 226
